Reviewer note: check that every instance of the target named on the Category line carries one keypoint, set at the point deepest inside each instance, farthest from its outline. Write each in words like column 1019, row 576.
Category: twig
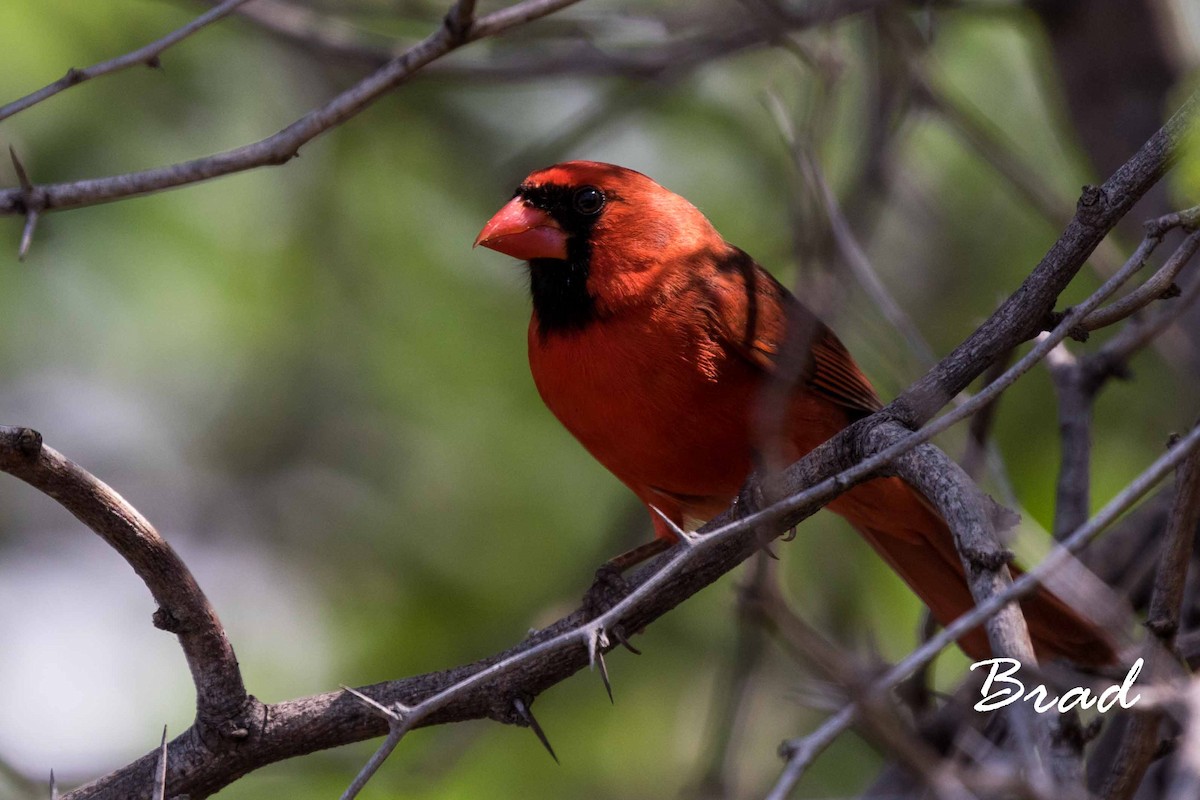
column 715, row 549
column 1075, row 394
column 398, row 725
column 1186, row 783
column 284, row 145
column 221, row 699
column 1077, row 382
column 1111, row 358
column 861, row 267
column 147, row 56
column 31, row 214
column 1163, row 618
column 1099, row 209
column 979, row 449
column 718, row 37
column 1156, row 287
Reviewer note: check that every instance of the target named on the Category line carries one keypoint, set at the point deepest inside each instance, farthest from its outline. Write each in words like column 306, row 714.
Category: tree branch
column 148, row 56
column 222, row 703
column 285, row 145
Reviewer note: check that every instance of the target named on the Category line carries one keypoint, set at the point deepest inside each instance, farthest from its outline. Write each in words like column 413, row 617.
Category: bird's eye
column 588, row 201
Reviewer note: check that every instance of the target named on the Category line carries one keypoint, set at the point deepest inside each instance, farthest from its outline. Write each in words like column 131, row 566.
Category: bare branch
column 1186, row 783
column 145, row 56
column 221, row 699
column 1111, row 358
column 720, row 35
column 1075, row 393
column 1156, row 287
column 1173, row 561
column 398, row 717
column 285, row 145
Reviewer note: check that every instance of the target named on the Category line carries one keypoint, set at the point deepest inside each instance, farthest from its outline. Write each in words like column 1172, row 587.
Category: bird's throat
column 561, row 300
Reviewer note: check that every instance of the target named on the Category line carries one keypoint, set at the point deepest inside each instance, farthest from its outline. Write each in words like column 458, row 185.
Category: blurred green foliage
column 311, row 365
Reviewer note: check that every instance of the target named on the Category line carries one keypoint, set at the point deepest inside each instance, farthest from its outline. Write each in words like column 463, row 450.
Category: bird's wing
column 757, row 318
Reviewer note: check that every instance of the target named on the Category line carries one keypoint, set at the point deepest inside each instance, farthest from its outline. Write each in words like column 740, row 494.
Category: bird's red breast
column 652, row 339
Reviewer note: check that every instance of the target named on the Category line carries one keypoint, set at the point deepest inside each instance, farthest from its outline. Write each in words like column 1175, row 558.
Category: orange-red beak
column 523, row 232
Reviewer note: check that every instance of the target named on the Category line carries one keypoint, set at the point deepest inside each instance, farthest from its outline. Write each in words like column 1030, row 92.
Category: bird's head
column 597, row 237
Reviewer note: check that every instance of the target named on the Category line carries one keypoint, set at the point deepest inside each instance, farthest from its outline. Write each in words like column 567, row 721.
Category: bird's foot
column 608, row 589
column 753, row 498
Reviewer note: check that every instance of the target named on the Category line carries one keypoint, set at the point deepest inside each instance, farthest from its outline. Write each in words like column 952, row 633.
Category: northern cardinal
column 651, row 341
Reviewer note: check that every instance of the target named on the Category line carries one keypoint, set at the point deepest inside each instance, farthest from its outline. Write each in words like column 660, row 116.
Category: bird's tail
column 915, row 541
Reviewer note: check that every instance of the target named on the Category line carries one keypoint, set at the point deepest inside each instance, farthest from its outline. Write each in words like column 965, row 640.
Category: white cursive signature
column 1010, row 690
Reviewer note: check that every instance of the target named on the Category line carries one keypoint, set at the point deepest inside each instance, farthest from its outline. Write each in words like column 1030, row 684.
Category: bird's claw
column 608, row 589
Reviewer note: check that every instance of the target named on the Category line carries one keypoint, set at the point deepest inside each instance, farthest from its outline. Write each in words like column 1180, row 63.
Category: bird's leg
column 610, row 587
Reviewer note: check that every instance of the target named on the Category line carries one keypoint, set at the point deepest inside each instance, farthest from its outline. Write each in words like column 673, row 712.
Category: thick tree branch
column 222, row 703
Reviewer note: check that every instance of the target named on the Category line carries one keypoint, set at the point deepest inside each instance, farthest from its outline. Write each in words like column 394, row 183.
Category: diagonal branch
column 148, row 56
column 221, row 698
column 284, row 145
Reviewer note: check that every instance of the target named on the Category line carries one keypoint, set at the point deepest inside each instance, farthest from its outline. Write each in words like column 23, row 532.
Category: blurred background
column 318, row 393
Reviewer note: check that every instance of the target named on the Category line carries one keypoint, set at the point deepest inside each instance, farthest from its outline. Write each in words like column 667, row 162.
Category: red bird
column 651, row 341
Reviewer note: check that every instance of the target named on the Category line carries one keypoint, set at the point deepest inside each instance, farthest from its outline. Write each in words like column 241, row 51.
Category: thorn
column 22, row 176
column 596, row 644
column 604, row 677
column 31, row 221
column 765, row 546
column 160, row 771
column 394, row 713
column 689, row 539
column 31, row 213
column 527, row 715
column 790, row 535
column 53, row 786
column 618, row 631
column 154, row 62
